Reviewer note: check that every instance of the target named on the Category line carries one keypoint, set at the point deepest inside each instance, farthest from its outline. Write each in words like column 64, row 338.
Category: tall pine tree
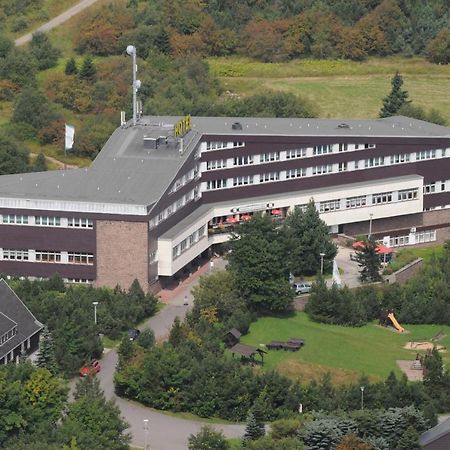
column 46, row 357
column 396, row 99
column 369, row 261
column 254, row 428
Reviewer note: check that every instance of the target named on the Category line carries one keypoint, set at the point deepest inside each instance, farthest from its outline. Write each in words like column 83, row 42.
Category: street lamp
column 370, row 225
column 362, row 397
column 95, row 312
column 131, row 50
column 321, row 262
column 146, row 433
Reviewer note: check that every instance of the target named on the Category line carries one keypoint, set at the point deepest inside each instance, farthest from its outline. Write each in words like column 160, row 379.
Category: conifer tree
column 71, row 67
column 409, row 440
column 396, row 99
column 40, row 165
column 88, row 69
column 254, row 428
column 46, row 357
column 369, row 261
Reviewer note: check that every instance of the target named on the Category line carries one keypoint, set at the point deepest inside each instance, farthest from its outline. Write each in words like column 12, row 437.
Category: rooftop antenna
column 131, row 50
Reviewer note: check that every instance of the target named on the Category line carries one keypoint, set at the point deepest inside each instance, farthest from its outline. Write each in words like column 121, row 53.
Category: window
column 270, row 176
column 319, row 170
column 426, row 154
column 243, row 160
column 342, row 167
column 379, row 199
column 295, row 153
column 80, row 223
column 425, row 236
column 215, row 145
column 269, row 157
column 369, row 145
column 78, row 280
column 240, row 181
column 216, row 184
column 356, row 202
column 48, row 257
column 429, row 188
column 47, row 221
column 296, row 173
column 216, row 164
column 15, row 219
column 180, row 203
column 201, row 231
column 407, row 194
column 401, row 158
column 81, row 258
column 331, row 205
column 375, row 161
column 343, row 147
column 238, row 144
column 322, row 149
column 15, row 255
column 152, row 257
column 399, row 241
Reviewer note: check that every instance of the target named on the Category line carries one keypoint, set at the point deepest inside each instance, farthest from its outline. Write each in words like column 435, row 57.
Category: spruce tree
column 71, row 67
column 396, row 99
column 88, row 70
column 369, row 261
column 254, row 428
column 409, row 440
column 40, row 165
column 46, row 357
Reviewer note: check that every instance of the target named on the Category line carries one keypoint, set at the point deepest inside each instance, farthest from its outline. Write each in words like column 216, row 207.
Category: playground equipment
column 388, row 318
column 396, row 325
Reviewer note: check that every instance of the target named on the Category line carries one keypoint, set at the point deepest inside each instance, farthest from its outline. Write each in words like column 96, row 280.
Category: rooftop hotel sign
column 183, row 126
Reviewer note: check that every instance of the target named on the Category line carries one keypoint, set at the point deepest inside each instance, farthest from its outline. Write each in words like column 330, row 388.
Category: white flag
column 70, row 134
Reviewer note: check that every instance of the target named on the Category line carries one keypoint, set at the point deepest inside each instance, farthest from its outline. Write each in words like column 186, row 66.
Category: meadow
column 339, row 88
column 345, row 352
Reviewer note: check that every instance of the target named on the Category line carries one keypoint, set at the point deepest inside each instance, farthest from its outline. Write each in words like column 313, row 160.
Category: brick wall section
column 405, row 273
column 122, row 253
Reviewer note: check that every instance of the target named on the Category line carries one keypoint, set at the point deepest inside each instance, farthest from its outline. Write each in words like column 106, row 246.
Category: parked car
column 133, row 334
column 301, row 288
column 91, row 369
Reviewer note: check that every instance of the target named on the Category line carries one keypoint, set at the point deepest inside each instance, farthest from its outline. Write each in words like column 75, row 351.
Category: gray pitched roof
column 435, row 433
column 6, row 324
column 15, row 310
column 125, row 172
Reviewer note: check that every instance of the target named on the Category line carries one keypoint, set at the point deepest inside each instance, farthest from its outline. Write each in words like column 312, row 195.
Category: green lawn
column 343, row 351
column 339, row 88
column 407, row 255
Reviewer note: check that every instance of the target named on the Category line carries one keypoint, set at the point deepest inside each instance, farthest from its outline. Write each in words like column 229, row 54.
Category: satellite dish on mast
column 131, row 49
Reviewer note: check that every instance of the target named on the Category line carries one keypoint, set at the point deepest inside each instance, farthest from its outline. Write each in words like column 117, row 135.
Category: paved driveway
column 165, row 432
column 56, row 21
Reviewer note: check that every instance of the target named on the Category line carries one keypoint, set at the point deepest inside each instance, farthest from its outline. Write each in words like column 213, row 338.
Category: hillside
column 213, row 58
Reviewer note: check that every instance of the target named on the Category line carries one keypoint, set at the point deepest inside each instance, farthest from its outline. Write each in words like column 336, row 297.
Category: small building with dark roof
column 437, row 438
column 19, row 329
column 232, row 337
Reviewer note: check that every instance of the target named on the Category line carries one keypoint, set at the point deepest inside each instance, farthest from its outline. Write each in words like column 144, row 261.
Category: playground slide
column 395, row 323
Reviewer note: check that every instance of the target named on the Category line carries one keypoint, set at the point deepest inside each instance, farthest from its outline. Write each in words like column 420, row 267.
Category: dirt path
column 56, row 21
column 57, row 162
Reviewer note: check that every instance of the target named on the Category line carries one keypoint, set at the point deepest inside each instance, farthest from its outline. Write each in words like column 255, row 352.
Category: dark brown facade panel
column 432, row 169
column 314, row 139
column 32, row 269
column 22, row 237
column 438, row 199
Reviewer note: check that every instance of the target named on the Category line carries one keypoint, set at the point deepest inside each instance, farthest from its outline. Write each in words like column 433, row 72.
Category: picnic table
column 292, row 344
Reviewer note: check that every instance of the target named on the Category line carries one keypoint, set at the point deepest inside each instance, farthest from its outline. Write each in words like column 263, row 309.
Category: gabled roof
column 435, row 433
column 15, row 310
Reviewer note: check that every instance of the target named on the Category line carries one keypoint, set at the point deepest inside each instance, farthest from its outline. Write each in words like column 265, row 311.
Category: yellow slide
column 395, row 323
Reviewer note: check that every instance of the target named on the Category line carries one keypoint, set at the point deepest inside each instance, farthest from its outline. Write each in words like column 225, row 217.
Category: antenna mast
column 131, row 50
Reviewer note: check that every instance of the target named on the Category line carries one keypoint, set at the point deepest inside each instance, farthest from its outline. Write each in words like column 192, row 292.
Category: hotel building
column 165, row 191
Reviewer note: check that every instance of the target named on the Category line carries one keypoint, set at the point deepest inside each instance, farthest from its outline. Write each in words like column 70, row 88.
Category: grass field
column 339, row 88
column 407, row 255
column 345, row 352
